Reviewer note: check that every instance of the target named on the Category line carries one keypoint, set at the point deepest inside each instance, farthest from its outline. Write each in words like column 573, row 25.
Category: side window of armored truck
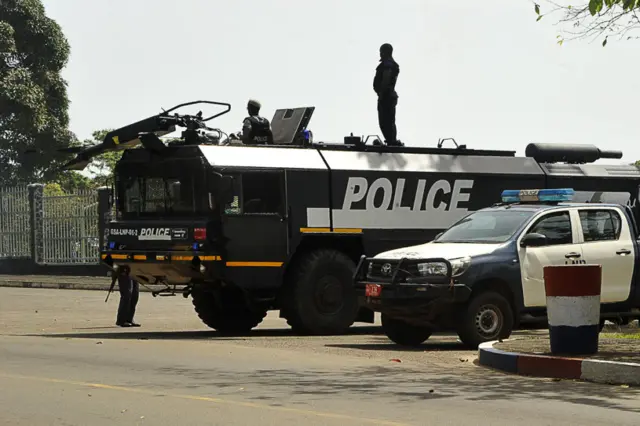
column 556, row 227
column 600, row 225
column 256, row 193
column 261, row 193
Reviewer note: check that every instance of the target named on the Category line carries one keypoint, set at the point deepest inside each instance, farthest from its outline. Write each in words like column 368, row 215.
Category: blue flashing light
column 195, row 246
column 537, row 195
column 112, row 245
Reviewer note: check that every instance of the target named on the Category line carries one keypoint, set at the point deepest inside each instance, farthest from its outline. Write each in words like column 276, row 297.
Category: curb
column 66, row 286
column 597, row 371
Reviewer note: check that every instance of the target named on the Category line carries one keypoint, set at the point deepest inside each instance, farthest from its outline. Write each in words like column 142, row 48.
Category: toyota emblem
column 386, row 269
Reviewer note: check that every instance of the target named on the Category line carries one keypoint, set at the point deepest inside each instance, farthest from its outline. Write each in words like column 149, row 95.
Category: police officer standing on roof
column 384, row 84
column 256, row 130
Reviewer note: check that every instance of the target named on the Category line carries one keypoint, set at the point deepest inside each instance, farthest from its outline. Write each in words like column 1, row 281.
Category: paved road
column 62, row 363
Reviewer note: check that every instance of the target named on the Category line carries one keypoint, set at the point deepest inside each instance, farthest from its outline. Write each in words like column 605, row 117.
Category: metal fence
column 65, row 226
column 14, row 222
column 70, row 233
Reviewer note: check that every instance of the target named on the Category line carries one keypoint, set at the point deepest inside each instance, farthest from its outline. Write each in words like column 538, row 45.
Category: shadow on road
column 384, row 344
column 118, row 333
column 402, row 384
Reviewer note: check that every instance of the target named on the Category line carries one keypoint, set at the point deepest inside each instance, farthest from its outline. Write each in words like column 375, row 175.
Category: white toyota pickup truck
column 481, row 275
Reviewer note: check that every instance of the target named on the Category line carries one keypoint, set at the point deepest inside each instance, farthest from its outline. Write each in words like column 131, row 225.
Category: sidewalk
column 617, row 361
column 63, row 282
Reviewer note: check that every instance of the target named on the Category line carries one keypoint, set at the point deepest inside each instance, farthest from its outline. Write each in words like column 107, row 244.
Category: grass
column 635, row 335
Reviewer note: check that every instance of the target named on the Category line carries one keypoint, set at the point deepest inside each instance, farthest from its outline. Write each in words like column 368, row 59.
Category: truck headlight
column 430, row 269
column 459, row 266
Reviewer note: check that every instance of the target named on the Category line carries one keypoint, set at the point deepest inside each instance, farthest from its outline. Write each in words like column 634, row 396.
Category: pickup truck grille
column 382, row 270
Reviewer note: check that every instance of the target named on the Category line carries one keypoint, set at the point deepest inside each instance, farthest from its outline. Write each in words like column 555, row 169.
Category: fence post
column 36, row 215
column 105, row 201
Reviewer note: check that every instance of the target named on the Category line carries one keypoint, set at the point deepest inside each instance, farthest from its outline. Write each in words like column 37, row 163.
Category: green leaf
column 595, row 6
column 604, row 43
column 538, row 18
column 537, row 9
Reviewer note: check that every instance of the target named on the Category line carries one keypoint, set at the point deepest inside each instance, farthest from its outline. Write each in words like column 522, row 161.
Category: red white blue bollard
column 573, row 308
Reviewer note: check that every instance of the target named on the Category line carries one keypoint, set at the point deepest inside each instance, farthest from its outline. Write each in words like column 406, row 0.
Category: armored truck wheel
column 403, row 333
column 320, row 296
column 488, row 316
column 225, row 311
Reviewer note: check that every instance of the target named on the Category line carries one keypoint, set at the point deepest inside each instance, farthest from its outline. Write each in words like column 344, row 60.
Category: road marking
column 300, row 411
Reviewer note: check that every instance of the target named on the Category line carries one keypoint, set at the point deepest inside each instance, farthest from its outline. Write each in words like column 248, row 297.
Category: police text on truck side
column 433, row 207
column 155, row 234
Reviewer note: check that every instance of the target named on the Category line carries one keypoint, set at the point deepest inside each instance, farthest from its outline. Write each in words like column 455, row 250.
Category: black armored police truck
column 247, row 229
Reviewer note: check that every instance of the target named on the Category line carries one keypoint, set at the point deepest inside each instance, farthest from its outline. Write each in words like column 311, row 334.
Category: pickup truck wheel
column 226, row 312
column 488, row 316
column 321, row 296
column 403, row 333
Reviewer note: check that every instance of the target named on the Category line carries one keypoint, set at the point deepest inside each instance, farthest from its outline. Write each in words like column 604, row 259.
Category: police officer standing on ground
column 384, row 84
column 129, row 292
column 256, row 130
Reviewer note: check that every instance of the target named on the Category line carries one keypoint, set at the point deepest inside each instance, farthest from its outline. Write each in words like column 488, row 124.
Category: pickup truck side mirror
column 533, row 240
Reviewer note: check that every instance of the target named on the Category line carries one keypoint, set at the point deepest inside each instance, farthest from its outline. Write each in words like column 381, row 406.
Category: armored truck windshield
column 163, row 188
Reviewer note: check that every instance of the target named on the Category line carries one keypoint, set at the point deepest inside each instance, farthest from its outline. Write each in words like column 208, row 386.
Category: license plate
column 373, row 290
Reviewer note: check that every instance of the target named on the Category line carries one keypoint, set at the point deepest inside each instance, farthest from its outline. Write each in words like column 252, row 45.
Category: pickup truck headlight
column 458, row 267
column 430, row 269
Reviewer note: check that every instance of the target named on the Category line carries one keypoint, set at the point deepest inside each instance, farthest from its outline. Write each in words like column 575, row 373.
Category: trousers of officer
column 129, row 293
column 387, row 117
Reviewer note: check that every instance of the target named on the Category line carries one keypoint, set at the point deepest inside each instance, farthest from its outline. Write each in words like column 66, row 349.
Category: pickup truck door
column 562, row 231
column 607, row 241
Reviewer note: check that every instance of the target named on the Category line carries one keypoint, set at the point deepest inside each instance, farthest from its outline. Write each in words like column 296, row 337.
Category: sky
column 484, row 73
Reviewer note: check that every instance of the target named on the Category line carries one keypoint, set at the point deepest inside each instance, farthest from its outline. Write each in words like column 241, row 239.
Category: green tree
column 595, row 19
column 71, row 181
column 33, row 95
column 102, row 166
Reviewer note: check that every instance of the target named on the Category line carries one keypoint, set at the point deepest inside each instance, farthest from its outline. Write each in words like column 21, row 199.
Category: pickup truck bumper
column 398, row 297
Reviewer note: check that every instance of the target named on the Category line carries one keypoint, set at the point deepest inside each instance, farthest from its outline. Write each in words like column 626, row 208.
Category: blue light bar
column 537, row 195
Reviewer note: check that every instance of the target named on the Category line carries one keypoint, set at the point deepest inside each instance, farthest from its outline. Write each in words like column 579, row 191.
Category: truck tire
column 231, row 315
column 321, row 298
column 403, row 333
column 487, row 316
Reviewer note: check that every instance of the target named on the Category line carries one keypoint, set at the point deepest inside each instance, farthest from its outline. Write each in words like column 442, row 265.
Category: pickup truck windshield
column 494, row 226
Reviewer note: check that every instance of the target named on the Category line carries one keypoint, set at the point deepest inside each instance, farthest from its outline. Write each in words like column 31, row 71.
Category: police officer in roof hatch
column 384, row 84
column 256, row 130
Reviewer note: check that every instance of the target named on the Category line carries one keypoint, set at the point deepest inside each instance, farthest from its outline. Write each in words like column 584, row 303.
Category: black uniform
column 387, row 98
column 256, row 130
column 129, row 293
